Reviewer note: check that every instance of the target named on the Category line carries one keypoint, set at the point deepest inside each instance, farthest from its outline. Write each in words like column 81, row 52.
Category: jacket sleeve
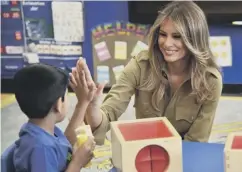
column 118, row 98
column 202, row 126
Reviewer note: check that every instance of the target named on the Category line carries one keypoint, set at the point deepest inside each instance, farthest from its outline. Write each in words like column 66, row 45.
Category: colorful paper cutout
column 120, row 50
column 103, row 74
column 117, row 70
column 102, row 51
column 140, row 46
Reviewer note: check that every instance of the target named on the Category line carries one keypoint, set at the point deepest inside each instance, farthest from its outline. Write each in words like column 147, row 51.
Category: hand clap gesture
column 80, row 84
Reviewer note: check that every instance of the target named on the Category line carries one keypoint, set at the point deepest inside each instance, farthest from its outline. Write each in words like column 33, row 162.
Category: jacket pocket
column 186, row 113
column 189, row 114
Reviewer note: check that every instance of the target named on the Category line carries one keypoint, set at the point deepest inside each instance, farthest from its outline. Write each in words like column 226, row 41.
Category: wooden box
column 233, row 153
column 146, row 145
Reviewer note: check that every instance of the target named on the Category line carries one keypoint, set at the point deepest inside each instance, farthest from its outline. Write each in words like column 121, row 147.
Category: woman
column 176, row 78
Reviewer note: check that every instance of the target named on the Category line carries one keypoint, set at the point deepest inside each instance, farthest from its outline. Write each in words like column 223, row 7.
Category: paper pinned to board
column 222, row 50
column 102, row 51
column 14, row 49
column 68, row 21
column 140, row 46
column 117, row 70
column 120, row 50
column 31, row 58
column 103, row 74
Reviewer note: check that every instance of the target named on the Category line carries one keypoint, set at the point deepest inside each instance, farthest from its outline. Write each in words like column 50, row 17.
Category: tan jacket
column 193, row 121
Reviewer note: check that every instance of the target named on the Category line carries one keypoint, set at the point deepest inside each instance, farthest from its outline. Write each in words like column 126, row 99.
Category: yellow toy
column 82, row 134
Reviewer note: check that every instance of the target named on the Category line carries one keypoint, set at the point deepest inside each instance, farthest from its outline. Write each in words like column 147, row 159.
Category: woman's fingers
column 83, row 65
column 83, row 79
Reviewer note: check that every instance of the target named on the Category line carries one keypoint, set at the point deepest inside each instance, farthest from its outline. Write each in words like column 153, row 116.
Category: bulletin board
column 50, row 32
column 113, row 46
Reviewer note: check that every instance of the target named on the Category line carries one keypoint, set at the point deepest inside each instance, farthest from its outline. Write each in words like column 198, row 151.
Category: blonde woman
column 176, row 78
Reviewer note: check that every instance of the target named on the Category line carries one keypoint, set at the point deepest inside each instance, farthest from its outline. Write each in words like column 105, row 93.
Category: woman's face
column 170, row 42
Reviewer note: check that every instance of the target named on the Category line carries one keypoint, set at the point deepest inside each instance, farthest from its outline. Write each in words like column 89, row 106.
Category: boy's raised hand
column 79, row 83
column 99, row 87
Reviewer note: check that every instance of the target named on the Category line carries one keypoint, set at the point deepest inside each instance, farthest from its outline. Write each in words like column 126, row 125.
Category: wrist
column 81, row 104
column 93, row 106
column 78, row 163
column 96, row 102
column 74, row 166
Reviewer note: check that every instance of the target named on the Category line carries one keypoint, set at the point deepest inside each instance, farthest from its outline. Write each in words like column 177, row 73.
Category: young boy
column 41, row 92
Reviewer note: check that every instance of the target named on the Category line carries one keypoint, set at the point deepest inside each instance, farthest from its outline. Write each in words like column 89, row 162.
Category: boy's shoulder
column 32, row 136
column 36, row 143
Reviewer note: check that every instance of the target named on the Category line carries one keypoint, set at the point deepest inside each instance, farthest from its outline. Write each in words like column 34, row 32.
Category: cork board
column 113, row 45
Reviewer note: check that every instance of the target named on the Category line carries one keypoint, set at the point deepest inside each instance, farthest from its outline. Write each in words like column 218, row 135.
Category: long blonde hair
column 191, row 23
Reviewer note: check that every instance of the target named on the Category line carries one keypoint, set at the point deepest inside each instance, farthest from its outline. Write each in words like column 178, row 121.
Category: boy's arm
column 76, row 121
column 82, row 156
column 74, row 167
column 84, row 93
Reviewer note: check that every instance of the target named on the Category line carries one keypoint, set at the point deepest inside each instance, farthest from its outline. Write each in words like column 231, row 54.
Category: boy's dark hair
column 38, row 87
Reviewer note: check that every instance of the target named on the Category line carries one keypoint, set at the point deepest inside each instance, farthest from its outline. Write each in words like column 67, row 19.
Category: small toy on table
column 233, row 152
column 82, row 134
column 146, row 145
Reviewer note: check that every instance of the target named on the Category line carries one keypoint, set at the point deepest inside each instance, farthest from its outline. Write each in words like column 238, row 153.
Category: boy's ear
column 58, row 105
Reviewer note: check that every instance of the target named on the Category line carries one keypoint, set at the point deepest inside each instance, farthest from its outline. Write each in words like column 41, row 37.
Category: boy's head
column 40, row 89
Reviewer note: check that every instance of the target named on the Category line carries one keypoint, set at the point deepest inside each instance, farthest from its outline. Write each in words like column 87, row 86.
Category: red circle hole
column 152, row 158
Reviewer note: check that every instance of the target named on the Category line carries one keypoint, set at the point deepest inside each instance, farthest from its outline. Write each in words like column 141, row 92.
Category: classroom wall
column 96, row 13
column 99, row 12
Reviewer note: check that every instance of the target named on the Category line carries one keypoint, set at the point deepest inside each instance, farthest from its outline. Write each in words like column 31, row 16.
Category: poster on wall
column 50, row 31
column 40, row 31
column 222, row 50
column 12, row 38
column 114, row 44
column 68, row 21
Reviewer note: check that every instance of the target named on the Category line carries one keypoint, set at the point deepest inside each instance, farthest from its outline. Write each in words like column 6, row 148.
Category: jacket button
column 192, row 118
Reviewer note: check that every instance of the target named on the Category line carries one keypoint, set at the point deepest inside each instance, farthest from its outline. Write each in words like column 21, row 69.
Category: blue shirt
column 38, row 151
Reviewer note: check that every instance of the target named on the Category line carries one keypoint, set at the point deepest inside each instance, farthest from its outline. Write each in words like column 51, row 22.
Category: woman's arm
column 115, row 103
column 202, row 126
